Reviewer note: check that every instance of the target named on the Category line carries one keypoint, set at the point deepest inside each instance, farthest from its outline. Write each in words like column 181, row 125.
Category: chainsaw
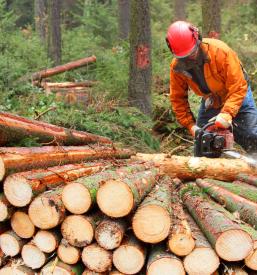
column 212, row 142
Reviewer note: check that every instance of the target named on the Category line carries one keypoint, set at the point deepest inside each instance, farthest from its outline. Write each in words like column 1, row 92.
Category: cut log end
column 90, row 272
column 22, row 225
column 128, row 259
column 45, row 241
column 251, row 259
column 151, row 223
column 234, row 245
column 44, row 213
column 18, row 190
column 82, row 201
column 55, row 270
column 2, row 169
column 96, row 258
column 32, row 256
column 193, row 262
column 68, row 254
column 166, row 266
column 115, row 199
column 10, row 245
column 17, row 270
column 77, row 230
column 181, row 244
column 3, row 211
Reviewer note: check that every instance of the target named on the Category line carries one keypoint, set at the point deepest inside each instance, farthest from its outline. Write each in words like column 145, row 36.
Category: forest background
column 39, row 34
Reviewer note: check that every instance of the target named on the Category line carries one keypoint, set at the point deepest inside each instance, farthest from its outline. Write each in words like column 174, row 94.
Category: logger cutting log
column 213, row 71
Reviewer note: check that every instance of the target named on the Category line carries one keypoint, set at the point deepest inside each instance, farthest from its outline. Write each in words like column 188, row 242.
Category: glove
column 223, row 120
column 193, row 130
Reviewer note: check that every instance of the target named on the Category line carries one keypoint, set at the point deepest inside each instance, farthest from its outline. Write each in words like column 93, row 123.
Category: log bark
column 248, row 179
column 14, row 127
column 16, row 267
column 53, row 85
column 58, row 267
column 63, row 68
column 234, row 203
column 109, row 233
column 241, row 189
column 6, row 210
column 129, row 257
column 16, row 159
column 21, row 187
column 78, row 230
column 117, row 198
column 180, row 241
column 189, row 168
column 152, row 220
column 85, row 189
column 97, row 258
column 230, row 241
column 32, row 256
column 202, row 253
column 162, row 262
column 67, row 253
column 47, row 241
column 10, row 243
column 47, row 210
column 22, row 225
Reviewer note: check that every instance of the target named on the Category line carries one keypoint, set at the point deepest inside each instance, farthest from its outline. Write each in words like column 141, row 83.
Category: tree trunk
column 211, row 15
column 14, row 128
column 152, row 220
column 47, row 210
column 96, row 258
column 41, row 19
column 140, row 76
column 38, row 181
column 58, row 267
column 6, row 210
column 180, row 10
column 85, row 189
column 248, row 179
column 129, row 257
column 47, row 241
column 54, row 31
column 63, row 68
column 188, row 168
column 24, row 159
column 231, row 243
column 202, row 253
column 67, row 253
column 22, row 225
column 109, row 233
column 78, row 230
column 234, row 203
column 117, row 198
column 162, row 262
column 124, row 16
column 180, row 241
column 241, row 189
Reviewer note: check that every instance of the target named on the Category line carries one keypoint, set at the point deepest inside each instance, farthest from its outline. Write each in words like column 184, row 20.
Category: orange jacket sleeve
column 235, row 83
column 179, row 100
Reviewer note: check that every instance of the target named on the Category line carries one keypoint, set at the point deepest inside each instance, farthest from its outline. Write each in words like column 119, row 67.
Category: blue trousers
column 244, row 124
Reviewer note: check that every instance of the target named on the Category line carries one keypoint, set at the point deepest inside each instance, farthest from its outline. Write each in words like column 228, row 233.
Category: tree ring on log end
column 181, row 244
column 166, row 266
column 22, row 225
column 251, row 259
column 10, row 270
column 9, row 245
column 45, row 241
column 32, row 256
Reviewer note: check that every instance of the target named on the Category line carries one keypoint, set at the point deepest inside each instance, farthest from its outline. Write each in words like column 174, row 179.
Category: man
column 213, row 71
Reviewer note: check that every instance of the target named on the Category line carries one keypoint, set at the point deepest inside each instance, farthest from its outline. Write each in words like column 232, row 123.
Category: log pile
column 110, row 213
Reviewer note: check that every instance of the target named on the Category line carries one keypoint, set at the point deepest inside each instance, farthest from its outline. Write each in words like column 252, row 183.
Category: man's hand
column 223, row 120
column 193, row 130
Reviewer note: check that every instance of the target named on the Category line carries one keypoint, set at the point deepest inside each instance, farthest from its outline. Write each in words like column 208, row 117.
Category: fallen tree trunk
column 14, row 128
column 85, row 189
column 58, row 267
column 129, row 257
column 67, row 253
column 47, row 241
column 109, row 233
column 152, row 220
column 230, row 241
column 247, row 179
column 244, row 190
column 189, row 168
column 6, row 210
column 97, row 258
column 117, row 198
column 53, row 85
column 202, row 253
column 15, row 159
column 162, row 262
column 63, row 68
column 35, row 182
column 234, row 203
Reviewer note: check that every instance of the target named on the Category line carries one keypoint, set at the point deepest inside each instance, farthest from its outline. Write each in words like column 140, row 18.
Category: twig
column 177, row 149
column 178, row 136
column 53, row 108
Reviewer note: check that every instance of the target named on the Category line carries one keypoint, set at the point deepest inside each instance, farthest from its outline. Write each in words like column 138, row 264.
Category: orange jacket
column 223, row 74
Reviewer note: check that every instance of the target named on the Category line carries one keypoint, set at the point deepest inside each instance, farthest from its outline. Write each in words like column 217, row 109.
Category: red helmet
column 182, row 38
